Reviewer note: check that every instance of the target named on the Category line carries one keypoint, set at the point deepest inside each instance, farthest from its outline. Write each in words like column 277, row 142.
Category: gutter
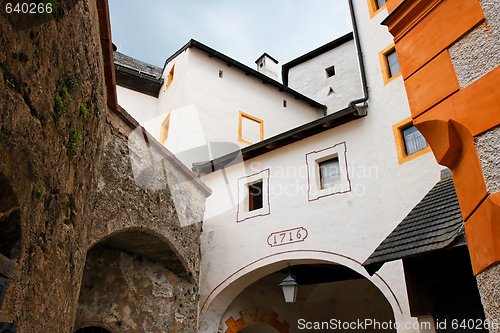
column 361, row 64
column 351, row 112
column 280, row 140
column 139, row 74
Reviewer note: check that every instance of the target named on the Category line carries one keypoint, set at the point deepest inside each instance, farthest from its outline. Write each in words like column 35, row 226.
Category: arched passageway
column 329, row 294
column 134, row 279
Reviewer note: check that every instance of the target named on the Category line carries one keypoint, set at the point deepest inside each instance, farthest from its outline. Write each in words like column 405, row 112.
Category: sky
column 153, row 30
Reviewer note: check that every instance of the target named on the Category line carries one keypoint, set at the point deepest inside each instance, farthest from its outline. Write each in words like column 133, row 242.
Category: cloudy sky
column 152, row 30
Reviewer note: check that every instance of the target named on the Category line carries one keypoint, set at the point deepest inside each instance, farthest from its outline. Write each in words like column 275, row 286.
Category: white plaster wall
column 205, row 108
column 219, row 100
column 140, row 106
column 352, row 224
column 310, row 78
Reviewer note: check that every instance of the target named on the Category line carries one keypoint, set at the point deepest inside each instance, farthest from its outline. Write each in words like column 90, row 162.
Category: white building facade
column 307, row 177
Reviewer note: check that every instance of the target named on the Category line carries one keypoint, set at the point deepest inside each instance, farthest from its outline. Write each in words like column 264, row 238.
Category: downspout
column 361, row 112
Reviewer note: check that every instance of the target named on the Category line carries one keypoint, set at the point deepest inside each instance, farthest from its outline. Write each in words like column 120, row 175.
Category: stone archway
column 133, row 280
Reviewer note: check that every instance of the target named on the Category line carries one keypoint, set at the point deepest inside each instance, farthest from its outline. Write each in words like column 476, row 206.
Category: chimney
column 268, row 66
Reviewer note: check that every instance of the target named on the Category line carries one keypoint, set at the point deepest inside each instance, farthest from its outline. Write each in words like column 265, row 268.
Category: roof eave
column 296, row 134
column 247, row 70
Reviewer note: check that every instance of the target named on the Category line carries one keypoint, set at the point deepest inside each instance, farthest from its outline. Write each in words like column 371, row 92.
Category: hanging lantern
column 290, row 288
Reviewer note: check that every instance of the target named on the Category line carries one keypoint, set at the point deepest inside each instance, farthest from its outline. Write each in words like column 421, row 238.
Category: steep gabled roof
column 312, row 54
column 433, row 224
column 245, row 69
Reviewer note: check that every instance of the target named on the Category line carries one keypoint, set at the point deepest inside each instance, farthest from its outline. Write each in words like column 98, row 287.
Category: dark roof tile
column 138, row 65
column 433, row 224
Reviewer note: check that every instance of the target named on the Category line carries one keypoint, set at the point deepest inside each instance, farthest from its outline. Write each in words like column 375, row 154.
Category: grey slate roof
column 433, row 224
column 140, row 66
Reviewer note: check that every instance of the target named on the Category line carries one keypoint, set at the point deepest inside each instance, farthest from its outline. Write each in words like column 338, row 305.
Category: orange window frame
column 170, row 77
column 164, row 129
column 372, row 8
column 240, row 127
column 384, row 65
column 400, row 142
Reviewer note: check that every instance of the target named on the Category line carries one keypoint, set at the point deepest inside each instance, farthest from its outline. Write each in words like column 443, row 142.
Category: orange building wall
column 450, row 117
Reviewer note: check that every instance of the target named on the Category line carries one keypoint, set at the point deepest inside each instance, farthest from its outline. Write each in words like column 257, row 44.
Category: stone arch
column 134, row 277
column 256, row 315
column 215, row 304
column 149, row 244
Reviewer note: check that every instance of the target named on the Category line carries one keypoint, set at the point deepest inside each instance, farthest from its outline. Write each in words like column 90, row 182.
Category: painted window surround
column 164, row 130
column 313, row 174
column 243, row 196
column 240, row 127
column 372, row 8
column 170, row 77
column 397, row 129
column 384, row 66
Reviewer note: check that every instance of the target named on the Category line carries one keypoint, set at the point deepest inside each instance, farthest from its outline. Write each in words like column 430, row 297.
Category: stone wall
column 51, row 128
column 473, row 56
column 68, row 182
column 128, row 293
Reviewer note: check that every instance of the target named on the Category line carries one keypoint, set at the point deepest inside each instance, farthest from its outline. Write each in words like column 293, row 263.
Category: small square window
column 255, row 196
column 410, row 143
column 170, row 77
column 375, row 6
column 379, row 3
column 221, row 74
column 414, row 140
column 284, row 103
column 393, row 63
column 164, row 129
column 330, row 71
column 250, row 129
column 329, row 172
column 389, row 64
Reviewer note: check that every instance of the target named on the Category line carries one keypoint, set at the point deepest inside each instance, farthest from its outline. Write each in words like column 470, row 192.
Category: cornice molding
column 407, row 15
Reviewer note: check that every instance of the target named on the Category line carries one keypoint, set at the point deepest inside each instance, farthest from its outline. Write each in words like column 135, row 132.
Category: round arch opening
column 92, row 329
column 355, row 290
column 328, row 294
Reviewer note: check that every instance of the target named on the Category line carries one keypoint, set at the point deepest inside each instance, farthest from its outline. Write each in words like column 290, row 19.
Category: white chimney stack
column 268, row 66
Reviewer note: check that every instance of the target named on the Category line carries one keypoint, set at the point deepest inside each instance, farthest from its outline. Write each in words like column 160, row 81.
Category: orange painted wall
column 447, row 116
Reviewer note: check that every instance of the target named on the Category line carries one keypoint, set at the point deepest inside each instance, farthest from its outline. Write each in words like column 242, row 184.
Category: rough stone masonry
column 81, row 241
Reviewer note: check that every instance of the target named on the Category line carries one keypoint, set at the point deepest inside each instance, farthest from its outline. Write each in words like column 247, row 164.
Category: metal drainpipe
column 361, row 64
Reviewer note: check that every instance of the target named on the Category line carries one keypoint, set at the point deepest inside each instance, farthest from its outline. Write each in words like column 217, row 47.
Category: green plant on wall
column 84, row 111
column 74, row 138
column 64, row 95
